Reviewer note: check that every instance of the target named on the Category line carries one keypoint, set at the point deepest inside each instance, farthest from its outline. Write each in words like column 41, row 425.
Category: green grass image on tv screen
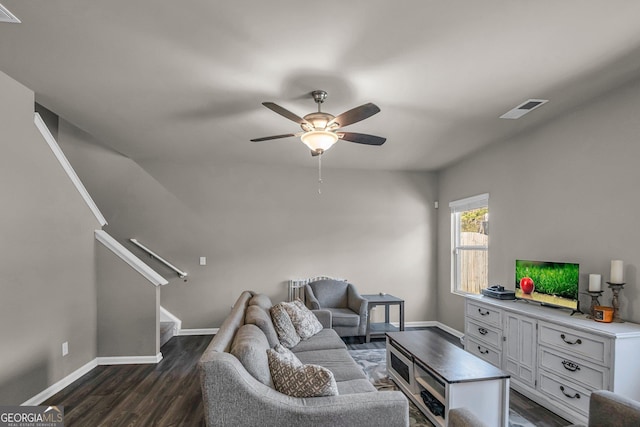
column 550, row 278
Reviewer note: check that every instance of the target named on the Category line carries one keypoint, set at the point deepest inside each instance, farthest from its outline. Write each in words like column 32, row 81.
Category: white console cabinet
column 554, row 358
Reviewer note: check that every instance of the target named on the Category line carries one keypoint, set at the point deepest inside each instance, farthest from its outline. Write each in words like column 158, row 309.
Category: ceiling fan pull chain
column 320, row 173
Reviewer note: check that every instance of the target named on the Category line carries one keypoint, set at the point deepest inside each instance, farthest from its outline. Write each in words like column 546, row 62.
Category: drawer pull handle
column 570, row 366
column 482, row 351
column 575, row 396
column 483, row 331
column 486, row 313
column 578, row 341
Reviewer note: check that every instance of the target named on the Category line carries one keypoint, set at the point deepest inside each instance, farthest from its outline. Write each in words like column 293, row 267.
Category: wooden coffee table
column 423, row 363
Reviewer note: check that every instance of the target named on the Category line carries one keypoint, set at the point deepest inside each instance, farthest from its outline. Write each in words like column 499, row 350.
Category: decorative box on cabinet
column 554, row 359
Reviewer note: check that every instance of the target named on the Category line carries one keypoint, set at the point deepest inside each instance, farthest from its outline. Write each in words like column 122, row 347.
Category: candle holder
column 594, row 302
column 616, row 288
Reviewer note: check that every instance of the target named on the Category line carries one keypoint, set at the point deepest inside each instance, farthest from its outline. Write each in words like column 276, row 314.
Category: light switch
column 203, row 260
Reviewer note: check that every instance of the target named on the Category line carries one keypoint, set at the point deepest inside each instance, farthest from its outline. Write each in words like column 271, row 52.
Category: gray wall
column 565, row 192
column 128, row 309
column 46, row 258
column 259, row 226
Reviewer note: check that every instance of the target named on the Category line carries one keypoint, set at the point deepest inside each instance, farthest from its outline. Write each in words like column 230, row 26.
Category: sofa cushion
column 284, row 327
column 344, row 317
column 355, row 386
column 305, row 322
column 324, row 340
column 293, row 378
column 250, row 346
column 338, row 361
column 256, row 315
column 261, row 300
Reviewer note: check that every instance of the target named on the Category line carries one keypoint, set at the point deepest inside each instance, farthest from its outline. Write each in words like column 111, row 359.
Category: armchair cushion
column 330, row 293
column 344, row 317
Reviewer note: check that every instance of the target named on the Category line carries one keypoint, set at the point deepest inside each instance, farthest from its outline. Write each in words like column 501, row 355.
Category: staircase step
column 166, row 332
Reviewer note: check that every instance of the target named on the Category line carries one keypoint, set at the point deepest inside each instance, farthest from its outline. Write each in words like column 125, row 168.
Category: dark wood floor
column 168, row 394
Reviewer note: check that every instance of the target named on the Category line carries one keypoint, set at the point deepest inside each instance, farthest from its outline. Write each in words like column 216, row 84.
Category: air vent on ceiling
column 524, row 108
column 6, row 16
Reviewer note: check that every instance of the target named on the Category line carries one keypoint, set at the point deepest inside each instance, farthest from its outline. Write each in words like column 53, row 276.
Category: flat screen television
column 549, row 283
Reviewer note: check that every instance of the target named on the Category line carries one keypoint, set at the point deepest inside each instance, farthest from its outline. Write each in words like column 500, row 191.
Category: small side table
column 380, row 329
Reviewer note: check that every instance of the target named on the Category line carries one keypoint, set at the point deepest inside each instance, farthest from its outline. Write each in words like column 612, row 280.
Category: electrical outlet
column 65, row 348
column 203, row 260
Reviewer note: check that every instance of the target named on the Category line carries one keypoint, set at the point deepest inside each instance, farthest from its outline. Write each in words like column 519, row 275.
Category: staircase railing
column 181, row 274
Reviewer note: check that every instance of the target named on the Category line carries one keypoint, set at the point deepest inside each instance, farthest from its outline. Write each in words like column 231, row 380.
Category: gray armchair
column 613, row 410
column 348, row 309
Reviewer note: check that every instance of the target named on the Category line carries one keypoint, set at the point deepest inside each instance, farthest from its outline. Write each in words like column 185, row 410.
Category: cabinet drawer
column 591, row 347
column 485, row 314
column 484, row 334
column 593, row 376
column 483, row 352
column 570, row 394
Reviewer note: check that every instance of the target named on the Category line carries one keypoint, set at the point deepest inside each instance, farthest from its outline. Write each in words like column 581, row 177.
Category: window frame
column 457, row 208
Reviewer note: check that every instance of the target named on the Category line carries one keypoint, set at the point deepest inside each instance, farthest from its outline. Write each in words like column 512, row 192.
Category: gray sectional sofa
column 237, row 389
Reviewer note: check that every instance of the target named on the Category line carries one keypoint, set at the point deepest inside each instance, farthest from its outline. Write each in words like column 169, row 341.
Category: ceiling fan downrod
column 319, row 96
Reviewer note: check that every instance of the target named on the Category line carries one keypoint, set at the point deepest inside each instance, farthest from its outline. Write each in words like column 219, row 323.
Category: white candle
column 616, row 271
column 594, row 283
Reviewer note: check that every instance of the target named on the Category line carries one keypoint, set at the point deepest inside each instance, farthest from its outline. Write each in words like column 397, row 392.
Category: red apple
column 526, row 285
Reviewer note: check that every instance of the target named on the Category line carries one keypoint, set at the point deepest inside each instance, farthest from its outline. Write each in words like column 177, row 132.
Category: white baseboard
column 202, row 331
column 134, row 360
column 129, row 360
column 60, row 385
column 177, row 329
column 75, row 375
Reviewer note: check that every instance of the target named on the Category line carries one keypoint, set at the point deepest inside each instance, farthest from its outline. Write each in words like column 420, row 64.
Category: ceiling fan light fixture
column 319, row 139
column 319, row 120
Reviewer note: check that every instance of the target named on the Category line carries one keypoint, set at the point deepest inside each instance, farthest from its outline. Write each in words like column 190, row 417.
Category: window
column 470, row 244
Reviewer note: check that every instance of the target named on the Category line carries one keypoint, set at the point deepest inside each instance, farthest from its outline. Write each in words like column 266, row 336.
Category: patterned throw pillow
column 303, row 319
column 284, row 327
column 294, row 379
column 287, row 355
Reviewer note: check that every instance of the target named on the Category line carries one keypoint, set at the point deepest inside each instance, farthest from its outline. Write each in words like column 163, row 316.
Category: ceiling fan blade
column 362, row 138
column 285, row 113
column 355, row 115
column 268, row 138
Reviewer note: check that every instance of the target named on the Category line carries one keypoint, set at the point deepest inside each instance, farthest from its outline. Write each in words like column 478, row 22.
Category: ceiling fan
column 321, row 130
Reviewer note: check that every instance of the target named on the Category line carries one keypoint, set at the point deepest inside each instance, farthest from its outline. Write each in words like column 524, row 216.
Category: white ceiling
column 184, row 81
